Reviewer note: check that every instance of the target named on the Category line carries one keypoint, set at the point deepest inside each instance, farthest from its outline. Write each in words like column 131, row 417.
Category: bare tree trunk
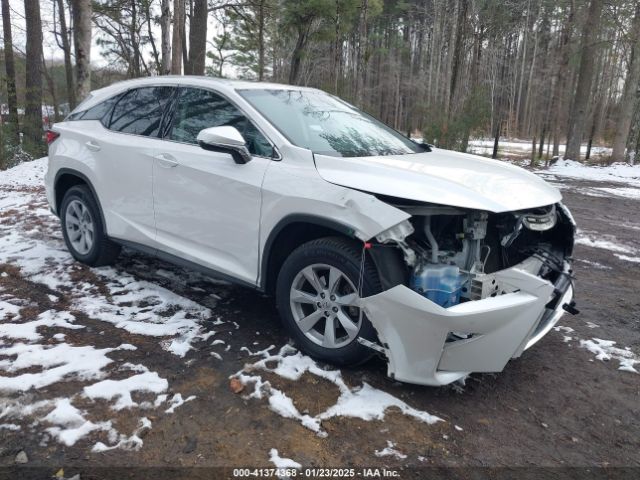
column 627, row 102
column 361, row 57
column 186, row 64
column 198, row 37
column 81, row 10
column 296, row 56
column 461, row 23
column 133, row 35
column 176, row 44
column 590, row 141
column 65, row 44
column 496, row 140
column 152, row 41
column 12, row 100
column 261, row 23
column 562, row 78
column 33, row 94
column 533, row 152
column 577, row 116
column 52, row 91
column 633, row 142
column 165, row 26
column 524, row 58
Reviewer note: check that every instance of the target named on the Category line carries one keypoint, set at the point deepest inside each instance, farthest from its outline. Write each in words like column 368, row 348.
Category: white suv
column 443, row 262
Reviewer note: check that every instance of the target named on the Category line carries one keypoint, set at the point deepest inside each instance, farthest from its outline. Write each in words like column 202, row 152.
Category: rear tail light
column 51, row 136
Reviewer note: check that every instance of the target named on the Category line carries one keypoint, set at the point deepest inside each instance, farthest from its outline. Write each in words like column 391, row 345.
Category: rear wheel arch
column 67, row 178
column 290, row 233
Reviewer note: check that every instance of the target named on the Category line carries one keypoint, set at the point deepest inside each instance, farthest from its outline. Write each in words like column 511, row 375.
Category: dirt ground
column 556, row 406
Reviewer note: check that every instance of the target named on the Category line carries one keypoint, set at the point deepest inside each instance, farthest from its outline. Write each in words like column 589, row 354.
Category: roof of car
column 200, row 79
column 222, row 84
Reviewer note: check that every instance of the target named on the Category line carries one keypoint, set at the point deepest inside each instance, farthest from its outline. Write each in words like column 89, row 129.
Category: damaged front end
column 466, row 290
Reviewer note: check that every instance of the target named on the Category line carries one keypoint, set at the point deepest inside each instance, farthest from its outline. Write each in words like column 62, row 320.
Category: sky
column 53, row 52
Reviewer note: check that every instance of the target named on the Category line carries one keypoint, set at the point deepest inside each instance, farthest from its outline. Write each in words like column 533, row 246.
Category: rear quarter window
column 140, row 111
column 100, row 111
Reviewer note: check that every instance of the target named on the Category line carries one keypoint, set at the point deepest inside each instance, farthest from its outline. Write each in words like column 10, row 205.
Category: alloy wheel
column 324, row 303
column 80, row 226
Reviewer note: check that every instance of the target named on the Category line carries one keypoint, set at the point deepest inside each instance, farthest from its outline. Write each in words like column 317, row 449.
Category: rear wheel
column 82, row 228
column 317, row 295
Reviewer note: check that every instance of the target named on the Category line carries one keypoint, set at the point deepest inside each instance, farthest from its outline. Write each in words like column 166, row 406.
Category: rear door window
column 140, row 111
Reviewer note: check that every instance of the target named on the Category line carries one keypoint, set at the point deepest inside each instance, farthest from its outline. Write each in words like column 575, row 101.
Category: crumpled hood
column 442, row 177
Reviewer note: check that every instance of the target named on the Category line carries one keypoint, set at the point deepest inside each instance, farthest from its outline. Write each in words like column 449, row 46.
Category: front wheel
column 317, row 293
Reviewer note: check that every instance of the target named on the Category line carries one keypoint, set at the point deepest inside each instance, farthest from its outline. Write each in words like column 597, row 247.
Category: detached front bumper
column 414, row 331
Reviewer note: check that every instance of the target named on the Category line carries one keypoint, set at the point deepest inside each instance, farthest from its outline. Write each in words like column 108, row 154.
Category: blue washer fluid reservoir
column 439, row 283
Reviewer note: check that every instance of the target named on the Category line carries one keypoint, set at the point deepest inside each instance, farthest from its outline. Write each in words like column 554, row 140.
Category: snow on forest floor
column 79, row 362
column 364, row 402
column 44, row 349
column 604, row 350
column 522, row 148
column 39, row 350
column 608, row 242
column 619, row 179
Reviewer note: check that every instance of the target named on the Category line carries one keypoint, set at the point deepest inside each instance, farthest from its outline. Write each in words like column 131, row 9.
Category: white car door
column 207, row 207
column 123, row 156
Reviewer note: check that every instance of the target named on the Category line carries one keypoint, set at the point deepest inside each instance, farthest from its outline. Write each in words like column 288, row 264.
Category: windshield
column 326, row 125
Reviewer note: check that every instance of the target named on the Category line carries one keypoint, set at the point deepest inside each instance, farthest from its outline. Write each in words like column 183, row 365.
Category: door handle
column 93, row 146
column 166, row 161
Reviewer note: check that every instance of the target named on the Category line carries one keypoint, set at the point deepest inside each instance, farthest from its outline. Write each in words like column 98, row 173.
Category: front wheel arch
column 290, row 233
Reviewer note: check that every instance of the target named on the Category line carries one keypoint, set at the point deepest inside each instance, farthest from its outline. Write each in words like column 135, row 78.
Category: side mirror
column 225, row 140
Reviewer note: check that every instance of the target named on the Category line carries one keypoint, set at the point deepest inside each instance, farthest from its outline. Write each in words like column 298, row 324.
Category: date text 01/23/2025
column 329, row 473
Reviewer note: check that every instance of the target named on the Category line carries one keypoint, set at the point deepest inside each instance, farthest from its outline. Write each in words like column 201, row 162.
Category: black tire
column 346, row 255
column 103, row 251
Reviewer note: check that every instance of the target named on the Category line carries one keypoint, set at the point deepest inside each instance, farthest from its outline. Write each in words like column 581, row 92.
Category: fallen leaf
column 236, row 385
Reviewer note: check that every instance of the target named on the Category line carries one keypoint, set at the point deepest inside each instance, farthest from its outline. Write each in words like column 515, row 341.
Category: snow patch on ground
column 390, row 451
column 617, row 172
column 122, row 389
column 8, row 308
column 364, row 402
column 605, row 350
column 124, row 442
column 281, row 462
column 48, row 262
column 626, row 192
column 484, row 146
column 70, row 423
column 177, row 401
column 143, row 308
column 10, row 426
column 284, row 464
column 29, row 360
column 57, row 363
column 627, row 258
column 28, row 330
column 607, row 242
column 26, row 174
column 584, row 238
column 593, row 264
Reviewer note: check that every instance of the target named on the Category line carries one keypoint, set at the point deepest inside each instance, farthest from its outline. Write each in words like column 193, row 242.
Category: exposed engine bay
column 467, row 290
column 452, row 254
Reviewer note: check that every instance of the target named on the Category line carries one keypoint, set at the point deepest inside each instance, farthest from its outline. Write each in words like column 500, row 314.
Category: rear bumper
column 49, row 189
column 414, row 331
